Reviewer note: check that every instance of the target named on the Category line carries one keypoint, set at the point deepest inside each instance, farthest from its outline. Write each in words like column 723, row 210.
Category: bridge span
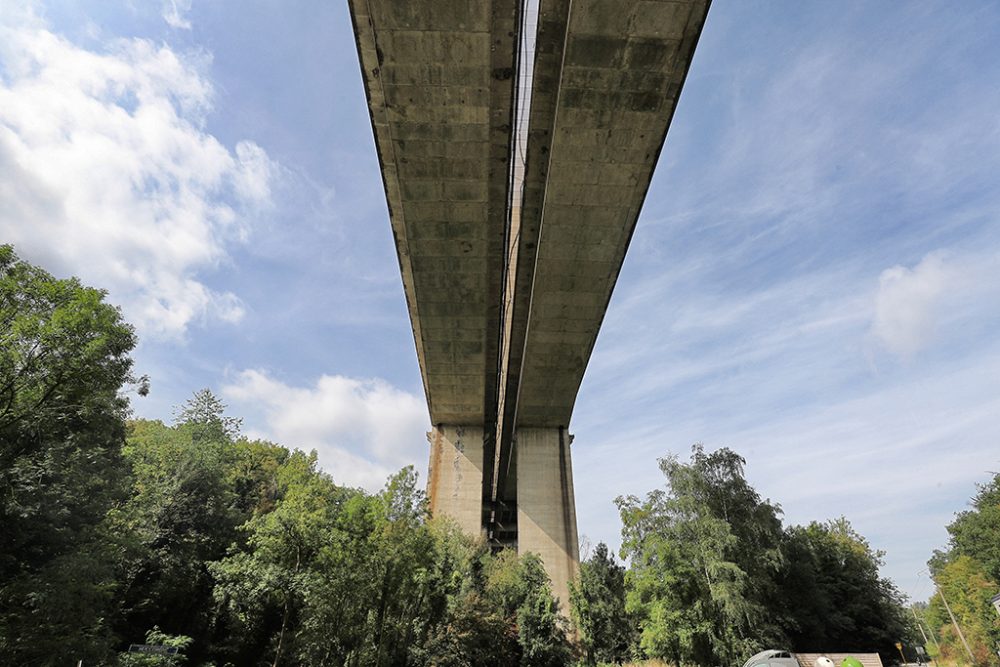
column 517, row 140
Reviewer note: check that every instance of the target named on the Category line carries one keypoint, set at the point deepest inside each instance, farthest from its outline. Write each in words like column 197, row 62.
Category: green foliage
column 976, row 532
column 193, row 487
column 245, row 552
column 597, row 600
column 277, row 580
column 714, row 578
column 336, row 576
column 969, row 574
column 703, row 557
column 540, row 627
column 156, row 637
column 183, row 513
column 833, row 594
column 206, row 413
column 64, row 356
column 503, row 613
column 475, row 634
column 519, row 588
column 262, row 559
column 969, row 588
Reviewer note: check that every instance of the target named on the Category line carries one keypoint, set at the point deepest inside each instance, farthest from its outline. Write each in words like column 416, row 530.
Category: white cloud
column 106, row 172
column 363, row 429
column 175, row 13
column 907, row 304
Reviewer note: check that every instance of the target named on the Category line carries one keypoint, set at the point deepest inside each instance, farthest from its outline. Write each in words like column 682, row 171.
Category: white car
column 772, row 658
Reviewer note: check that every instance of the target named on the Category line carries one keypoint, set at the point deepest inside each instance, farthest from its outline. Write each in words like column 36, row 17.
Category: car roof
column 768, row 653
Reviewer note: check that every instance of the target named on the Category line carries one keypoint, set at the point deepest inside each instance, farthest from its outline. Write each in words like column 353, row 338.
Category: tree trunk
column 380, row 623
column 288, row 604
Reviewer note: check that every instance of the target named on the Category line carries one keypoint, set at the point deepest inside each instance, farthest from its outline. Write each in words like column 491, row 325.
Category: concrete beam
column 526, row 222
column 439, row 80
column 608, row 79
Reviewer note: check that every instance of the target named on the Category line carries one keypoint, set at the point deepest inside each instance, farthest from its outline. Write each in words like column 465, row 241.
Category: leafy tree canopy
column 976, row 531
column 246, row 552
column 64, row 357
column 968, row 573
column 714, row 577
column 834, row 596
column 703, row 552
column 597, row 600
column 206, row 413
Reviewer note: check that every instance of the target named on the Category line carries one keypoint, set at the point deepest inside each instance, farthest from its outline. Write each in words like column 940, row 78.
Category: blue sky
column 813, row 281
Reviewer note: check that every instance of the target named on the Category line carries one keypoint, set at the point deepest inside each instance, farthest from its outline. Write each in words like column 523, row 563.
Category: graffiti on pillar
column 459, row 452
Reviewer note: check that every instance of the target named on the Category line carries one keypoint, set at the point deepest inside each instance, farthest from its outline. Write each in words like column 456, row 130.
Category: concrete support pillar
column 546, row 508
column 455, row 475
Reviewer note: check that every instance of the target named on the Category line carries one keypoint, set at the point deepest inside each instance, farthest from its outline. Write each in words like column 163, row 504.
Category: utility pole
column 934, row 637
column 955, row 623
column 924, row 634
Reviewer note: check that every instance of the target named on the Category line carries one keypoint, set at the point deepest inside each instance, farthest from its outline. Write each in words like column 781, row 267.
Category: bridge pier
column 546, row 508
column 542, row 491
column 455, row 475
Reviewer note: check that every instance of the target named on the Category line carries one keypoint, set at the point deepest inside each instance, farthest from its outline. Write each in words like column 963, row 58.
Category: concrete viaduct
column 517, row 140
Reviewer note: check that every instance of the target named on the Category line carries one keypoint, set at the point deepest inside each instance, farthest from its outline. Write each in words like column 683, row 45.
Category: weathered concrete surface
column 522, row 253
column 546, row 507
column 455, row 475
column 438, row 76
column 506, row 302
column 590, row 161
column 439, row 80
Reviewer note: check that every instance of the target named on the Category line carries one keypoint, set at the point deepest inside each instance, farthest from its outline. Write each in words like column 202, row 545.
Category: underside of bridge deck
column 512, row 222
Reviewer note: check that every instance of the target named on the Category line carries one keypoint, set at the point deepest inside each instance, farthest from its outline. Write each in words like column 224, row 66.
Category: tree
column 976, row 532
column 334, row 575
column 500, row 612
column 267, row 586
column 703, row 553
column 969, row 574
column 64, row 357
column 540, row 630
column 470, row 615
column 182, row 514
column 519, row 589
column 969, row 589
column 834, row 596
column 206, row 414
column 476, row 634
column 157, row 637
column 597, row 600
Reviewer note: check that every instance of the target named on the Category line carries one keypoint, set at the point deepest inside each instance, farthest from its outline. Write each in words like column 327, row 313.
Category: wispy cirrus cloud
column 813, row 280
column 175, row 13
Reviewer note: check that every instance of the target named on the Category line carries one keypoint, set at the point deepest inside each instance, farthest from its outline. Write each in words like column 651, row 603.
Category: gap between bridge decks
column 528, row 13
